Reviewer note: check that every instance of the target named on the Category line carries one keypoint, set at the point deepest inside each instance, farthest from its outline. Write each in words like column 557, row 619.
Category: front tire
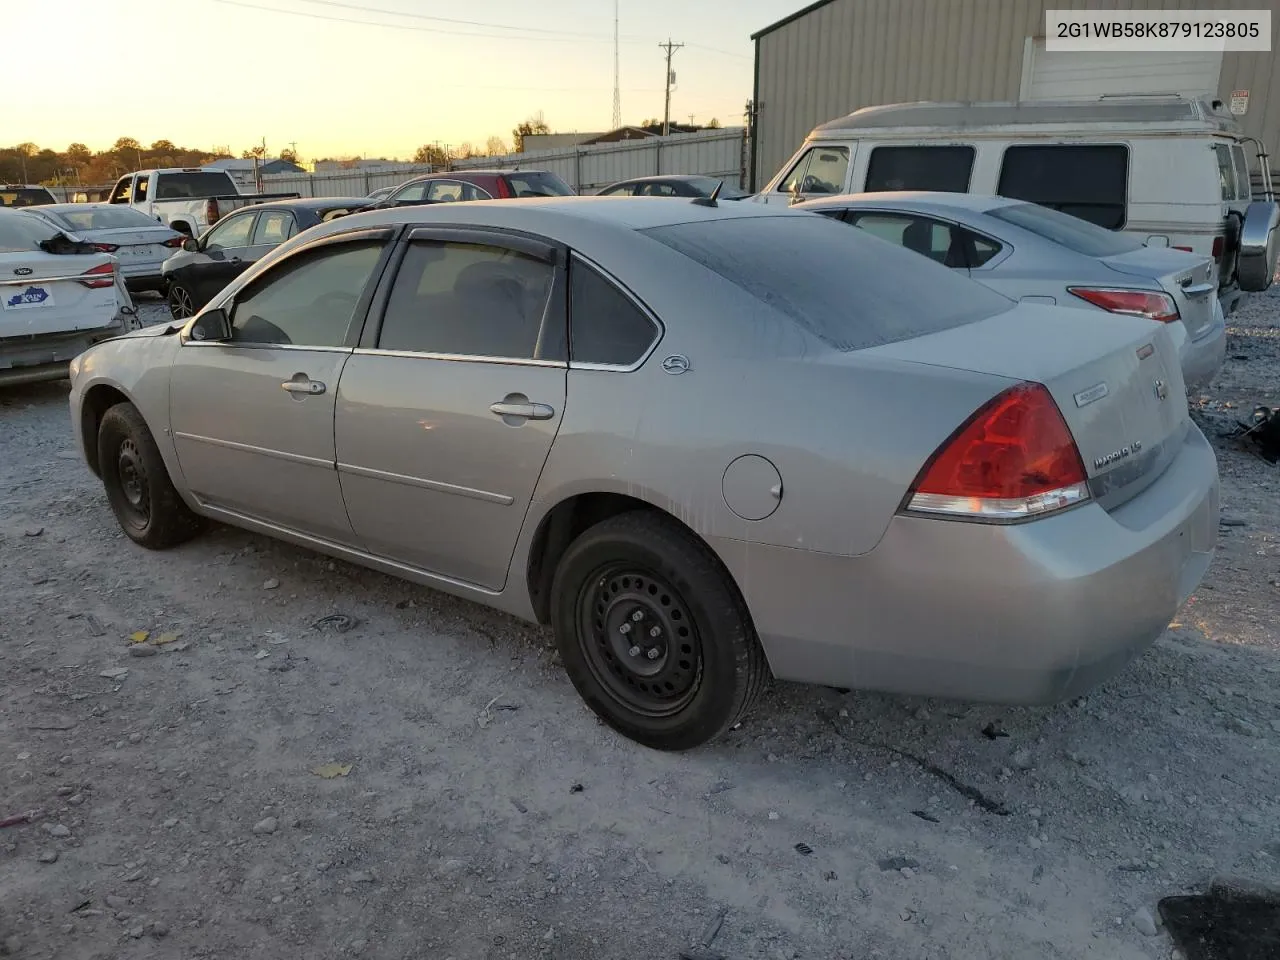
column 181, row 303
column 138, row 487
column 653, row 632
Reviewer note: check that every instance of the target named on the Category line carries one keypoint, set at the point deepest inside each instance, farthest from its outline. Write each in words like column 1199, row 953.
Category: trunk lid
column 1186, row 277
column 41, row 293
column 1116, row 379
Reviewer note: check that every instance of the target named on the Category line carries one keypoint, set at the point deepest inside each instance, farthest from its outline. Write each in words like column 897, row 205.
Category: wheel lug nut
column 638, row 616
column 655, row 631
column 653, row 653
column 634, row 651
column 625, row 628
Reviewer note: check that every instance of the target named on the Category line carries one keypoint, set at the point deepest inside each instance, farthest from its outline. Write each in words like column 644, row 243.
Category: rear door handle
column 522, row 411
column 301, row 383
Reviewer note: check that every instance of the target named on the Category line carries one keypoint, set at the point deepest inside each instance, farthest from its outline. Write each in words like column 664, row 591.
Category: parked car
column 1029, row 252
column 58, row 297
column 202, row 267
column 459, row 185
column 380, row 194
column 25, row 195
column 138, row 242
column 673, row 185
column 1171, row 171
column 895, row 478
column 188, row 199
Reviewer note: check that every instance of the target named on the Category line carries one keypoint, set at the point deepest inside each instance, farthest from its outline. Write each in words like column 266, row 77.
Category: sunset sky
column 369, row 77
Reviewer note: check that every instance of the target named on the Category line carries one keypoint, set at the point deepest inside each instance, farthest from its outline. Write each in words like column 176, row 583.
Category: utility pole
column 617, row 89
column 671, row 48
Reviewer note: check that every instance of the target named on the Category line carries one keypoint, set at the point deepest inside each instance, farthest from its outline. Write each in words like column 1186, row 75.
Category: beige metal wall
column 857, row 53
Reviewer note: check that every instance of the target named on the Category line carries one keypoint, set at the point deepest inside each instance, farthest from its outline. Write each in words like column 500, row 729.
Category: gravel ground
column 427, row 784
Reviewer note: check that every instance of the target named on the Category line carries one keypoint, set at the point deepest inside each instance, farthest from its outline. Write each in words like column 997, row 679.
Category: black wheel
column 181, row 304
column 138, row 486
column 653, row 632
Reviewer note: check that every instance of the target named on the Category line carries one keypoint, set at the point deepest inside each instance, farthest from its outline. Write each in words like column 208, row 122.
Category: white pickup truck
column 188, row 199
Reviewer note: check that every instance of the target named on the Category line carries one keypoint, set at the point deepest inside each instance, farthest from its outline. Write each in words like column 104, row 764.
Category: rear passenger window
column 1226, row 171
column 470, row 300
column 945, row 169
column 1244, row 188
column 1089, row 182
column 981, row 250
column 605, row 325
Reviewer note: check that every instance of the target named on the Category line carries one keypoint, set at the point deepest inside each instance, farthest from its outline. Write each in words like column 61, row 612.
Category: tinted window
column 103, row 218
column 605, row 325
column 233, row 232
column 140, row 189
column 274, row 227
column 821, row 170
column 920, row 168
column 658, row 190
column 413, row 193
column 981, row 250
column 467, row 299
column 1073, row 233
column 308, row 299
column 840, row 284
column 1244, row 189
column 1085, row 181
column 24, row 197
column 179, row 186
column 538, row 184
column 937, row 241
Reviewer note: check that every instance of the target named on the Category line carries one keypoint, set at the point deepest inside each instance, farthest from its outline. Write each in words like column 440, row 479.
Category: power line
column 469, row 23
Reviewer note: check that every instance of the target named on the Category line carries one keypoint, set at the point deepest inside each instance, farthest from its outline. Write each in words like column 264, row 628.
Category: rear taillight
column 1013, row 459
column 105, row 247
column 174, row 242
column 1219, row 247
column 103, row 275
column 211, row 212
column 1138, row 303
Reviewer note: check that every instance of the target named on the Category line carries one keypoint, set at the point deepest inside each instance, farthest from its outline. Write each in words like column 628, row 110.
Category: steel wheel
column 639, row 640
column 181, row 305
column 133, row 484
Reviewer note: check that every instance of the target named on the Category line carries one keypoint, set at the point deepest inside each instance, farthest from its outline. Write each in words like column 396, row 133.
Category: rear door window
column 1244, row 188
column 1226, row 171
column 274, row 227
column 231, row 233
column 1085, row 180
column 537, row 183
column 946, row 169
column 820, row 170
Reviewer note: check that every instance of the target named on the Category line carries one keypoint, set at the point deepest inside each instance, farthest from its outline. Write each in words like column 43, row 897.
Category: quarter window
column 981, row 250
column 821, row 170
column 469, row 300
column 274, row 227
column 1086, row 181
column 605, row 325
column 945, row 169
column 1226, row 171
column 309, row 299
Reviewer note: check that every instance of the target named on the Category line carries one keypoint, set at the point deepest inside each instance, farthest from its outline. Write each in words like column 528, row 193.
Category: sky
column 320, row 74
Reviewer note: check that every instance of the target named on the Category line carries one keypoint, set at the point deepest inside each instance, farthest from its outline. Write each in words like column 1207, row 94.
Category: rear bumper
column 1026, row 613
column 1201, row 359
column 33, row 359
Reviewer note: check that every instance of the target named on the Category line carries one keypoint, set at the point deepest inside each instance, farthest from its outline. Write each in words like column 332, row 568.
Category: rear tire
column 653, row 632
column 138, row 487
column 181, row 303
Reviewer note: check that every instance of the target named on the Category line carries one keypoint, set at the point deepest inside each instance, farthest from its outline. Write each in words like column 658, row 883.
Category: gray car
column 1031, row 253
column 705, row 443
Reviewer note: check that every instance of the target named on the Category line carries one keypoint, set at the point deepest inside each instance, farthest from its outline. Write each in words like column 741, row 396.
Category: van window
column 945, row 169
column 1085, row 181
column 1077, row 235
column 820, row 170
column 1244, row 188
column 1226, row 172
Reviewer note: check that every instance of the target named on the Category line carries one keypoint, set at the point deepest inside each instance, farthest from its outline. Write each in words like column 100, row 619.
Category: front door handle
column 303, row 384
column 522, row 410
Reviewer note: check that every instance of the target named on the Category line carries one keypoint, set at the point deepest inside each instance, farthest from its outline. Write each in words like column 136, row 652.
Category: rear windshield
column 101, row 218
column 537, row 184
column 24, row 197
column 841, row 284
column 208, row 183
column 21, row 233
column 1079, row 236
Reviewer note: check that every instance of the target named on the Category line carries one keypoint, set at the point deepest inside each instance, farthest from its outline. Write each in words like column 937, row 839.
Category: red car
column 456, row 185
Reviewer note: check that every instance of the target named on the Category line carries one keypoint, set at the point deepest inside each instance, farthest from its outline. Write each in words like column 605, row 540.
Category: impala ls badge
column 1122, row 454
column 1162, row 390
column 23, row 271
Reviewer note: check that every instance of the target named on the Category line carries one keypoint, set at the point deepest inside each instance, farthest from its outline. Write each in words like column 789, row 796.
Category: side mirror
column 212, row 326
column 190, row 244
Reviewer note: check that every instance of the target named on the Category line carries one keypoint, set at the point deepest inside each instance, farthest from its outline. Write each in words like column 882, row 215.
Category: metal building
column 835, row 56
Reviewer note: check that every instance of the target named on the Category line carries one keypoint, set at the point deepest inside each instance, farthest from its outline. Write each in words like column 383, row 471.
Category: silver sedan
column 1031, row 253
column 138, row 243
column 706, row 443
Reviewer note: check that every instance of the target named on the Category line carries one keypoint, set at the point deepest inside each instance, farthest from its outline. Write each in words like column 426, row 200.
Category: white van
column 1170, row 170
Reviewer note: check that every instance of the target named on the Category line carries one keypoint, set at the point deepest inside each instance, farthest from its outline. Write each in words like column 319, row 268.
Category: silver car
column 1031, row 253
column 705, row 443
column 138, row 243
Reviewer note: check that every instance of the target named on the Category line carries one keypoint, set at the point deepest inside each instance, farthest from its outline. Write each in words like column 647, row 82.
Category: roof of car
column 310, row 203
column 684, row 177
column 918, row 199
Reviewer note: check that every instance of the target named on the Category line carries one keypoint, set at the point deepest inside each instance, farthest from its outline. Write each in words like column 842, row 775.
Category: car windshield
column 844, row 286
column 24, row 196
column 538, row 184
column 197, row 185
column 101, row 218
column 1079, row 236
column 20, row 233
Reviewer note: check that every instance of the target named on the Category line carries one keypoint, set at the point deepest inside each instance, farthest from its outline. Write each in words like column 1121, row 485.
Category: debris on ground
column 331, row 771
column 337, row 622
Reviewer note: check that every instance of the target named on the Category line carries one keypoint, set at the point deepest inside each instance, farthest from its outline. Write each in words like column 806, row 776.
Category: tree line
column 29, row 163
